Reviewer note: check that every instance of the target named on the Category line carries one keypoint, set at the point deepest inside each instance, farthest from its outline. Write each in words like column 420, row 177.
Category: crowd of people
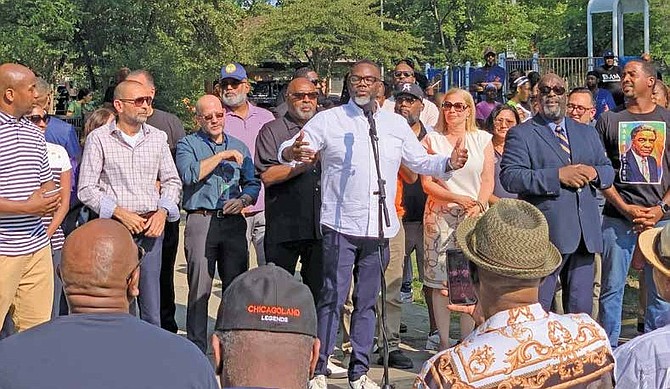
column 549, row 195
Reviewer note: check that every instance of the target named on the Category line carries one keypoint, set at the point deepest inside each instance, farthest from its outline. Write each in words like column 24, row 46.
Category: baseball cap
column 233, row 70
column 269, row 299
column 654, row 244
column 409, row 88
column 608, row 54
column 490, row 86
column 488, row 50
column 593, row 73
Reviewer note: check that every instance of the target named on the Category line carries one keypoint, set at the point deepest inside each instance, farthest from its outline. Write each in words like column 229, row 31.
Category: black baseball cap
column 409, row 88
column 608, row 54
column 269, row 299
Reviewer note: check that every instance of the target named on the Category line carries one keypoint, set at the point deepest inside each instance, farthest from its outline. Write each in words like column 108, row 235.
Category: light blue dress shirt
column 341, row 135
column 644, row 362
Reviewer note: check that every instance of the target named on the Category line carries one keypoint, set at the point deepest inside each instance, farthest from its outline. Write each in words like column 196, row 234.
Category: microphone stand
column 382, row 216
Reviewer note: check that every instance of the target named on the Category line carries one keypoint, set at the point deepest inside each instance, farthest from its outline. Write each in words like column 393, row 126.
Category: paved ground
column 414, row 315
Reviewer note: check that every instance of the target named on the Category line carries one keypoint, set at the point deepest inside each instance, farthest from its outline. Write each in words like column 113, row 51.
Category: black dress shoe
column 397, row 360
column 403, row 328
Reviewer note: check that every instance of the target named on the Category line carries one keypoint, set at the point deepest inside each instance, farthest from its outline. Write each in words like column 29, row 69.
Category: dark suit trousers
column 285, row 255
column 576, row 276
column 170, row 244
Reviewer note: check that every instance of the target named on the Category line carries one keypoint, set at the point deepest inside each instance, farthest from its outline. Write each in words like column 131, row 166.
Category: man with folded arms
column 121, row 163
column 517, row 344
column 218, row 174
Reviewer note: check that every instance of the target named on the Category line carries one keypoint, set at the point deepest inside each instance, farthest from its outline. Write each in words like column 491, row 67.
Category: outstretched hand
column 299, row 151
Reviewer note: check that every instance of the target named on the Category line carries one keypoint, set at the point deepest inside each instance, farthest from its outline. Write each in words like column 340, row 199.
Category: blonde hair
column 470, row 122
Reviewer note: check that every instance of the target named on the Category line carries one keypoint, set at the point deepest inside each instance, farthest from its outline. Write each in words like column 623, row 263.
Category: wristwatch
column 664, row 207
column 245, row 202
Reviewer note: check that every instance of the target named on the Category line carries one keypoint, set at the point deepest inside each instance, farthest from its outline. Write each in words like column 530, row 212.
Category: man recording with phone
column 517, row 343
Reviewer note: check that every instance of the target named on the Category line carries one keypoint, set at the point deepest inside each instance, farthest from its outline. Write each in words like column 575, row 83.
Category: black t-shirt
column 610, row 79
column 102, row 351
column 169, row 124
column 634, row 186
column 413, row 196
column 292, row 207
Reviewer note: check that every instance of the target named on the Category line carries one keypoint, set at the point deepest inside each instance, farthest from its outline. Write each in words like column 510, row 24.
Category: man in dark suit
column 638, row 165
column 556, row 164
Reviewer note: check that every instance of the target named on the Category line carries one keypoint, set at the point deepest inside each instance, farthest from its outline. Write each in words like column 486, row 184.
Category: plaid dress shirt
column 114, row 173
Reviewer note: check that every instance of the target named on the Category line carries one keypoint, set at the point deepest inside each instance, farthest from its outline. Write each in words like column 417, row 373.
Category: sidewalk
column 415, row 316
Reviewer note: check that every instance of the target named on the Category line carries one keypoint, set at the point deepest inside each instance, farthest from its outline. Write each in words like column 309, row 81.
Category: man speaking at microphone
column 341, row 138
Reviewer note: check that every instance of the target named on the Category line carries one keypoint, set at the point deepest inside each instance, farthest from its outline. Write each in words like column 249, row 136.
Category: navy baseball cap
column 409, row 88
column 233, row 70
column 608, row 54
column 269, row 299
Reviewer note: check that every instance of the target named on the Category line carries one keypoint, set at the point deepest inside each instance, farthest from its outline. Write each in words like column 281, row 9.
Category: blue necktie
column 563, row 140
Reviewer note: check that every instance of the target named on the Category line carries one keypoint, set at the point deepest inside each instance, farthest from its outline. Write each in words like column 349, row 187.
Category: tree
column 322, row 33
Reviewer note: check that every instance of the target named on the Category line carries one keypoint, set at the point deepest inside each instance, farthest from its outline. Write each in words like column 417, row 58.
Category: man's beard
column 234, row 101
column 362, row 100
column 305, row 116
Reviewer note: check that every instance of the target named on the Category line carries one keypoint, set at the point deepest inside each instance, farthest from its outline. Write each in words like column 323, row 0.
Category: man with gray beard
column 340, row 138
column 555, row 163
column 293, row 200
column 243, row 121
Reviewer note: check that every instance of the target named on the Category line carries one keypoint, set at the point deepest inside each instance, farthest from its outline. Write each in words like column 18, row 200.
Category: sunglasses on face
column 218, row 115
column 545, row 90
column 367, row 80
column 140, row 257
column 138, row 102
column 578, row 108
column 458, row 107
column 232, row 83
column 406, row 99
column 506, row 122
column 401, row 74
column 302, row 95
column 36, row 119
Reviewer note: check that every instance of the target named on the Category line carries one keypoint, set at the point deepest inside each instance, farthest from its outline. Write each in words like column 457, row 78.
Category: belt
column 218, row 213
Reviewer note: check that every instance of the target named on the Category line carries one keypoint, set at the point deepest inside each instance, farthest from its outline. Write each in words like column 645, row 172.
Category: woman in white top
column 59, row 161
column 465, row 194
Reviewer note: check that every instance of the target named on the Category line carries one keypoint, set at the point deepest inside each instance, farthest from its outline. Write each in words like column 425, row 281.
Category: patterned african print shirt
column 525, row 347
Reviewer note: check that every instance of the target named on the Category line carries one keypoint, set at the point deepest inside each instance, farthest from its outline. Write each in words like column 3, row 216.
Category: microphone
column 369, row 114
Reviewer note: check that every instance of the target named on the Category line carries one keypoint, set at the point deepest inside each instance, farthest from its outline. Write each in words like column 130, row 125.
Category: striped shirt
column 59, row 161
column 114, row 173
column 24, row 167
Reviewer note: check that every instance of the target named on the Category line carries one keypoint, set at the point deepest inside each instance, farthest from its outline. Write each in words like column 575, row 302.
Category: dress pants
column 60, row 302
column 150, row 288
column 285, row 255
column 576, row 276
column 169, row 255
column 256, row 235
column 341, row 254
column 211, row 242
column 393, row 279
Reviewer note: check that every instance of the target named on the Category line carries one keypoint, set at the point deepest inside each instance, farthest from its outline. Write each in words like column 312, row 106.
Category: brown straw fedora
column 511, row 239
column 655, row 246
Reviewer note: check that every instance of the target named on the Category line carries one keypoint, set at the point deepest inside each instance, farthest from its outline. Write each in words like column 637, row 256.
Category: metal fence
column 572, row 69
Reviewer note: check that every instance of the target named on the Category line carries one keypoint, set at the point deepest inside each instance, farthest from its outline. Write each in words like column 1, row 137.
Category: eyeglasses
column 458, row 107
column 545, row 90
column 579, row 108
column 367, row 80
column 139, row 101
column 232, row 83
column 401, row 74
column 406, row 99
column 218, row 115
column 506, row 122
column 36, row 119
column 302, row 95
column 140, row 257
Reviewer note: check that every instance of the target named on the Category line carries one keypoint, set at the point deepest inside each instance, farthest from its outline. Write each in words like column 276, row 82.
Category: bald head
column 17, row 85
column 127, row 87
column 206, row 102
column 97, row 259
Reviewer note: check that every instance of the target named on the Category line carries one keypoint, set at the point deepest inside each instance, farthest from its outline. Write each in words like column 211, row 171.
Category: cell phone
column 50, row 193
column 461, row 289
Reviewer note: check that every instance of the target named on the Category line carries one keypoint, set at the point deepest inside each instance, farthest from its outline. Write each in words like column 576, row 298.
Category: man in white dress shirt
column 349, row 211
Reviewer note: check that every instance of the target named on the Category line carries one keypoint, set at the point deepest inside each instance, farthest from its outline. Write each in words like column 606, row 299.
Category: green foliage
column 322, row 33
